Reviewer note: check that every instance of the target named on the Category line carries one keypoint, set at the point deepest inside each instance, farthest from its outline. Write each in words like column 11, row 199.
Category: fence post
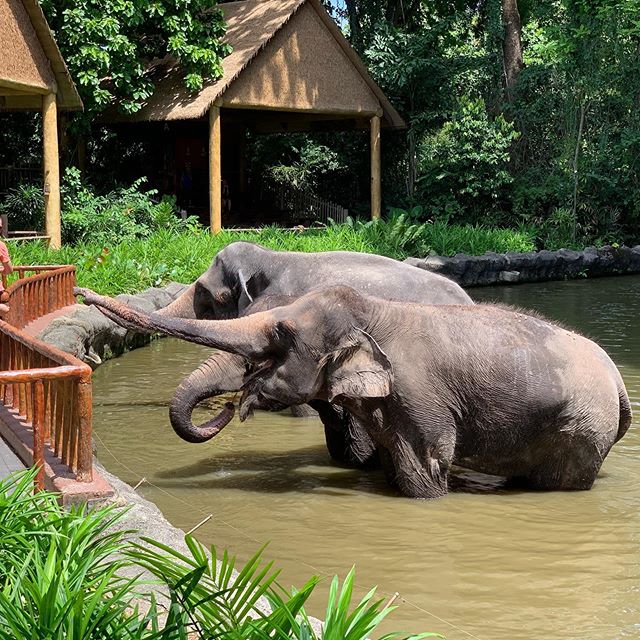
column 84, row 409
column 38, row 432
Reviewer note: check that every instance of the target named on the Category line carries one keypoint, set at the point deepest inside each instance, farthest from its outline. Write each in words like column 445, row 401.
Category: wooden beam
column 215, row 170
column 37, row 88
column 376, row 191
column 51, row 170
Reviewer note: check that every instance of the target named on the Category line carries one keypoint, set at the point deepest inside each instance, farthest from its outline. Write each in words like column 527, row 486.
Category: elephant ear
column 359, row 368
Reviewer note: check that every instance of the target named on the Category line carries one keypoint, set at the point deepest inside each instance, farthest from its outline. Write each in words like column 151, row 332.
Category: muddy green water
column 480, row 563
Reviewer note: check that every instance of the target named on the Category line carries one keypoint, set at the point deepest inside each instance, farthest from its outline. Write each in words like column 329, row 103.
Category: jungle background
column 519, row 113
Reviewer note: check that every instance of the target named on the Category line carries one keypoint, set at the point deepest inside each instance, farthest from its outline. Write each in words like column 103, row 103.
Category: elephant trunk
column 220, row 373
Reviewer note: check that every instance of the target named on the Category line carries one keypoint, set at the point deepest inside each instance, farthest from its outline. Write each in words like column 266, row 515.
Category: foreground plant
column 61, row 578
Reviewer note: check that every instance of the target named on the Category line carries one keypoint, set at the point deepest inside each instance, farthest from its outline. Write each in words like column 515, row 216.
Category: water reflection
column 494, row 561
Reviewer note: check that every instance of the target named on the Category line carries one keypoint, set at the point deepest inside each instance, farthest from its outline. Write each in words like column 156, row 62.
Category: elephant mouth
column 255, row 370
column 252, row 400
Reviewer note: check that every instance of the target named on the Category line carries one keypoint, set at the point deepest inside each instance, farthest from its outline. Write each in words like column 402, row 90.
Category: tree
column 511, row 45
column 108, row 45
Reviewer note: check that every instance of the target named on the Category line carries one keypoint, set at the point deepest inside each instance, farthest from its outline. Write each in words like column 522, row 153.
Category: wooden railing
column 45, row 390
column 49, row 289
column 302, row 205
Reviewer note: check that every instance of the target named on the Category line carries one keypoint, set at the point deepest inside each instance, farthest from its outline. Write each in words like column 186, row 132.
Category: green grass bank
column 134, row 264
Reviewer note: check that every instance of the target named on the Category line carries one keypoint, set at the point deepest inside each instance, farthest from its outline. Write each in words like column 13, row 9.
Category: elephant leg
column 571, row 466
column 303, row 411
column 388, row 467
column 347, row 441
column 418, row 476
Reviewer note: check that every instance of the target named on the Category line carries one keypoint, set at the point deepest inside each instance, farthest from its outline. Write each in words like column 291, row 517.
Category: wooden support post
column 38, row 432
column 215, row 170
column 51, row 170
column 376, row 191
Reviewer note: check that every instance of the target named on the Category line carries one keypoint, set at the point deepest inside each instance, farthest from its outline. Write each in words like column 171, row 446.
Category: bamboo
column 376, row 191
column 215, row 170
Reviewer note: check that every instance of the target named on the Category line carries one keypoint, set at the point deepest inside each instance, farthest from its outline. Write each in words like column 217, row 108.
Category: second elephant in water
column 484, row 387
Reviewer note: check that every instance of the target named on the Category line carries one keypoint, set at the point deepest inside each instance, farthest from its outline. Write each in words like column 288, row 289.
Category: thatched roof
column 57, row 78
column 251, row 26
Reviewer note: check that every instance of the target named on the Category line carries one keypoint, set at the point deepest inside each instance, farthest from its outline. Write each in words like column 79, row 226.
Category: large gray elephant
column 484, row 387
column 246, row 277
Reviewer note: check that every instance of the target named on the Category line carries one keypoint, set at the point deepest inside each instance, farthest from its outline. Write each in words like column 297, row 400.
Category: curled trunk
column 220, row 373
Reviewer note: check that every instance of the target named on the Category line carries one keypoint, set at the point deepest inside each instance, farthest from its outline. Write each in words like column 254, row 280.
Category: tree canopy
column 108, row 45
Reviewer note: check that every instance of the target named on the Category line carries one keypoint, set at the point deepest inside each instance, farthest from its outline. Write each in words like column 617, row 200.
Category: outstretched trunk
column 220, row 373
column 250, row 336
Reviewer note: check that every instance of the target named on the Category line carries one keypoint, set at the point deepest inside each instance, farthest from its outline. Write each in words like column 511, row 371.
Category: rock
column 494, row 268
column 509, row 276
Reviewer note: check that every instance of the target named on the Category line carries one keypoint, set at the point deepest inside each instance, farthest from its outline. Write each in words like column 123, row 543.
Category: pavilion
column 290, row 69
column 34, row 76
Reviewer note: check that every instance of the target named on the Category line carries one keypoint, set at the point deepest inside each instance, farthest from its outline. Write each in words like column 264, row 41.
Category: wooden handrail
column 30, row 298
column 48, row 391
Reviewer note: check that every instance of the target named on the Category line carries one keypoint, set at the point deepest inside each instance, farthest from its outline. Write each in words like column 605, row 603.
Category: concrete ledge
column 91, row 337
column 536, row 266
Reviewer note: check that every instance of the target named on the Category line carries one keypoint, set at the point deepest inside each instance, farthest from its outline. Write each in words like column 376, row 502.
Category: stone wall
column 91, row 337
column 536, row 266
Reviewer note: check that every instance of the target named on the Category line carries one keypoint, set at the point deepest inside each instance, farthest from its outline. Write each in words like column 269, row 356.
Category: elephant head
column 317, row 347
column 235, row 277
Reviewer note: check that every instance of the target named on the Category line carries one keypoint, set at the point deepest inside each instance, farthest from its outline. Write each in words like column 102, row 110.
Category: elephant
column 481, row 386
column 244, row 277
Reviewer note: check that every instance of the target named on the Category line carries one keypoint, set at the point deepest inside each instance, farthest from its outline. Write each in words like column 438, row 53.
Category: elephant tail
column 626, row 414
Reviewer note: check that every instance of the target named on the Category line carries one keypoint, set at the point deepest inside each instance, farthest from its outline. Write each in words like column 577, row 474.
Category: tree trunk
column 511, row 46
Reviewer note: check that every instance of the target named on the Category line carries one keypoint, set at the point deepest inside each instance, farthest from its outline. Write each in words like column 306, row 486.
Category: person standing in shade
column 5, row 269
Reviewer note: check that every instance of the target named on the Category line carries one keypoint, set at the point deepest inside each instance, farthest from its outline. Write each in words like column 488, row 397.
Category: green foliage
column 24, row 205
column 133, row 264
column 123, row 213
column 108, row 43
column 58, row 576
column 62, row 578
column 464, row 166
column 310, row 163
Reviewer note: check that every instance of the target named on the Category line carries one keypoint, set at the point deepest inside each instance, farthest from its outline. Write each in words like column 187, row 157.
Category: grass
column 135, row 264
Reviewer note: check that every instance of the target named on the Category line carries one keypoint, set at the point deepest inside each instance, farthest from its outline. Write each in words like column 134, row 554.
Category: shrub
column 24, row 205
column 122, row 213
column 464, row 166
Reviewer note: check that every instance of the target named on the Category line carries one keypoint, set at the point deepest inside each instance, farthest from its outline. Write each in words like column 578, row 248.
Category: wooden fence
column 44, row 390
column 49, row 288
column 302, row 205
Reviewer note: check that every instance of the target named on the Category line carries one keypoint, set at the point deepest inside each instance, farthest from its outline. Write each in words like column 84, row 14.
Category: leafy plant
column 24, row 205
column 107, row 45
column 61, row 578
column 123, row 213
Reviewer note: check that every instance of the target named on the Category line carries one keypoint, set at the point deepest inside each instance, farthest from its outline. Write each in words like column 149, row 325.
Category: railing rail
column 300, row 204
column 46, row 390
column 49, row 289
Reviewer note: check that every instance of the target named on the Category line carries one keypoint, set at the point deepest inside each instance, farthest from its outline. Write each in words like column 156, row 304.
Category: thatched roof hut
column 290, row 69
column 33, row 76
